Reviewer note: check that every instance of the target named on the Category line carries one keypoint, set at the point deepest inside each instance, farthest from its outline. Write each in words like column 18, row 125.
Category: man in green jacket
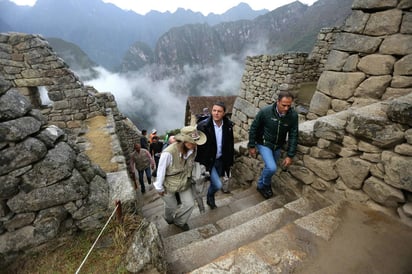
column 270, row 129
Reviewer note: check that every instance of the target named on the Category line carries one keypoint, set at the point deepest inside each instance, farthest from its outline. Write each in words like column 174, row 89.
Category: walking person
column 155, row 149
column 272, row 126
column 140, row 163
column 217, row 154
column 144, row 143
column 174, row 176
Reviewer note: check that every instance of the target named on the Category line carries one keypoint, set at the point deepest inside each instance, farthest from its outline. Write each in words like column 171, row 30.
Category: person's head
column 144, row 131
column 218, row 111
column 190, row 137
column 171, row 139
column 137, row 147
column 155, row 139
column 206, row 111
column 284, row 102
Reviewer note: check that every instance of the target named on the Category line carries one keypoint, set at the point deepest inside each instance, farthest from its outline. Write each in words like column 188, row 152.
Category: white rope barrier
column 90, row 250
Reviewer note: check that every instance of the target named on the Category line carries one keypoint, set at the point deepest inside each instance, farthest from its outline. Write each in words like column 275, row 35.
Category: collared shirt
column 280, row 114
column 165, row 160
column 218, row 134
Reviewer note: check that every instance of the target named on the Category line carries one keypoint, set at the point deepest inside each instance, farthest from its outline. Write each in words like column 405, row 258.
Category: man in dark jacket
column 218, row 152
column 268, row 133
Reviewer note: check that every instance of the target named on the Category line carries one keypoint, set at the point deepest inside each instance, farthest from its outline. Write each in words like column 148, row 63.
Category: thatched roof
column 195, row 104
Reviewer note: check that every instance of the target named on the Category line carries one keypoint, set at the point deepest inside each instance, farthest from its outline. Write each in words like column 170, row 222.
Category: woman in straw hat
column 173, row 173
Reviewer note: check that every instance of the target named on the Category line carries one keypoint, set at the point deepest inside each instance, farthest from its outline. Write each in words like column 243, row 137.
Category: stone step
column 202, row 252
column 209, row 229
column 153, row 204
column 341, row 238
column 251, row 212
column 227, row 204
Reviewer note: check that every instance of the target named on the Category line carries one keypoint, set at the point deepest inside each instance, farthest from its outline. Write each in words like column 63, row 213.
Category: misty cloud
column 161, row 104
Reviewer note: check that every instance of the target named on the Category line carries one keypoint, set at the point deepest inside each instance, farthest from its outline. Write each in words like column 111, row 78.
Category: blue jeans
column 148, row 176
column 215, row 183
column 269, row 157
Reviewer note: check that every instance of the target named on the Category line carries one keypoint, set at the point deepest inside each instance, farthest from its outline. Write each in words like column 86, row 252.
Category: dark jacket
column 271, row 130
column 206, row 153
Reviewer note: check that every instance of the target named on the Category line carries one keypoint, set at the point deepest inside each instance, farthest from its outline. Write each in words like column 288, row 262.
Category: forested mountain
column 293, row 27
column 102, row 30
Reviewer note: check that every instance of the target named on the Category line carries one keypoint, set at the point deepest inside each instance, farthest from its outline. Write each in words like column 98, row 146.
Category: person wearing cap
column 217, row 154
column 268, row 132
column 174, row 173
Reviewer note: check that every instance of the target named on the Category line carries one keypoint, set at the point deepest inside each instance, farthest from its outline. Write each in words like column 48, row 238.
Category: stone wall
column 29, row 63
column 371, row 58
column 356, row 143
column 47, row 186
column 266, row 75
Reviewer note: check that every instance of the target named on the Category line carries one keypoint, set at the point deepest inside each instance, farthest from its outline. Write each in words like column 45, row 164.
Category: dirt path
column 367, row 242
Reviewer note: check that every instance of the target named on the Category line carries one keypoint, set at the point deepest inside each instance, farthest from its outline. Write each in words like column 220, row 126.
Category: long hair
column 181, row 147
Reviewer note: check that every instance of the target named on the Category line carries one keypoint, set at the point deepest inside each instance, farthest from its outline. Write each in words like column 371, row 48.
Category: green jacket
column 271, row 130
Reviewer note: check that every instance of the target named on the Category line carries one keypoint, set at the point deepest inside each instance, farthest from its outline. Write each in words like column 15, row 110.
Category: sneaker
column 264, row 193
column 184, row 227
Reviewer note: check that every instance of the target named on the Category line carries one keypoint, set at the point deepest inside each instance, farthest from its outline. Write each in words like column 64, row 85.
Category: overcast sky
column 203, row 6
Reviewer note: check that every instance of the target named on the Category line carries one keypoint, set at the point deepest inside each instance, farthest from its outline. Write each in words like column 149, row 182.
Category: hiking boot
column 264, row 192
column 184, row 227
column 210, row 200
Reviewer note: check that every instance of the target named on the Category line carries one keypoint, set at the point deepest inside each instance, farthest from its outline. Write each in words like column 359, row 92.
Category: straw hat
column 191, row 135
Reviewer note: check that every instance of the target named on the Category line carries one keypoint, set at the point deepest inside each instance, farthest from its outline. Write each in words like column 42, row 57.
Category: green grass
column 67, row 257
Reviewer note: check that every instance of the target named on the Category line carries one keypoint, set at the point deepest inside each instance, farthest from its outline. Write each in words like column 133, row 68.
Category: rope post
column 119, row 213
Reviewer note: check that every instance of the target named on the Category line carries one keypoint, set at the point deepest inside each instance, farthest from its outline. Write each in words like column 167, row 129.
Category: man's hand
column 287, row 162
column 161, row 193
column 252, row 152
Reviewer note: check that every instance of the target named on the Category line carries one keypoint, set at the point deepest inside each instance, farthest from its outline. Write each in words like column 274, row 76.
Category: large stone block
column 320, row 103
column 371, row 123
column 397, row 44
column 340, row 85
column 398, row 171
column 374, row 4
column 352, row 171
column 13, row 105
column 384, row 23
column 357, row 43
column 22, row 154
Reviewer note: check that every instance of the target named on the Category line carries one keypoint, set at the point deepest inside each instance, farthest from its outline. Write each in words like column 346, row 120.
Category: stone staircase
column 248, row 234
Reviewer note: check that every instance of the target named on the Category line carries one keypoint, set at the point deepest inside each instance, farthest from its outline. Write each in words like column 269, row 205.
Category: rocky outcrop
column 288, row 28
